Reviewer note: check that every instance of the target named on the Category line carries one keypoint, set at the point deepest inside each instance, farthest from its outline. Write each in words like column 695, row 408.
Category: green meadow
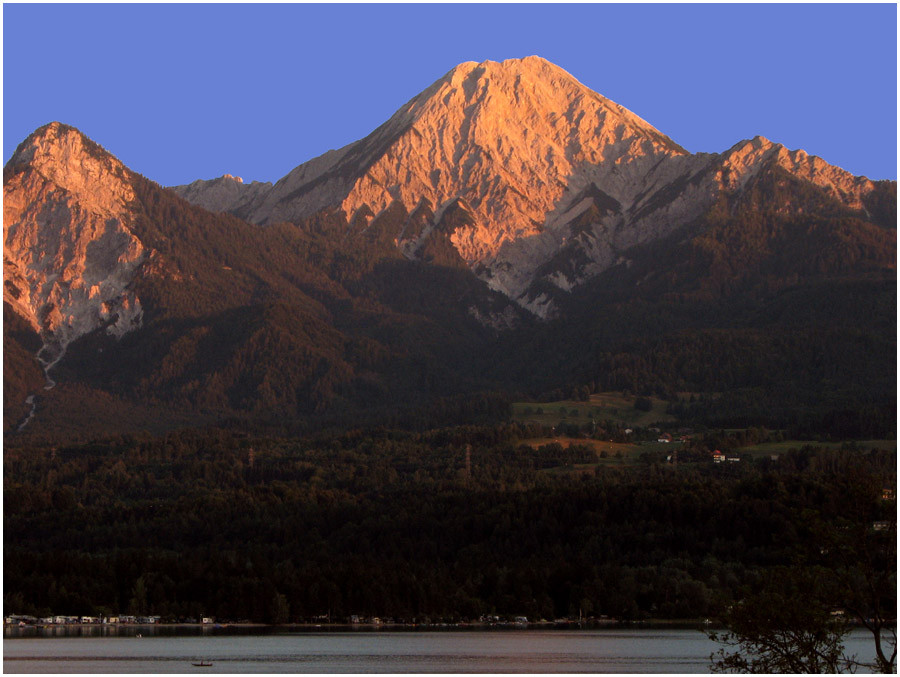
column 610, row 406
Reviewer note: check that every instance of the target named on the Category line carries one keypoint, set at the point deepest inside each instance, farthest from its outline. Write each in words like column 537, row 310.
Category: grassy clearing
column 597, row 445
column 618, row 454
column 600, row 407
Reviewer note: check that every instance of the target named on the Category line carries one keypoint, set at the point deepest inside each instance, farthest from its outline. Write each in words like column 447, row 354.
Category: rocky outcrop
column 68, row 252
column 225, row 194
column 747, row 158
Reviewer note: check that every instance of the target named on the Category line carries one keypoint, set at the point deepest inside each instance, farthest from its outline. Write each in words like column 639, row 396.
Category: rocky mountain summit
column 68, row 252
column 560, row 181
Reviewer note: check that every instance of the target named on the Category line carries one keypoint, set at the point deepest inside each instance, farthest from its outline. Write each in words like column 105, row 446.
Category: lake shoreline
column 475, row 625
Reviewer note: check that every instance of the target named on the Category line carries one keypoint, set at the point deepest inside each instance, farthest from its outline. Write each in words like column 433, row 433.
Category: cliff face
column 68, row 253
column 560, row 181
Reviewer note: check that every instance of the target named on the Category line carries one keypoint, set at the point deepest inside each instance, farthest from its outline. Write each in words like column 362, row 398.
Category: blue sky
column 180, row 92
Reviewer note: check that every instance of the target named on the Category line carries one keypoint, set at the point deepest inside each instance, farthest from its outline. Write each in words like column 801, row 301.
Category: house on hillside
column 718, row 456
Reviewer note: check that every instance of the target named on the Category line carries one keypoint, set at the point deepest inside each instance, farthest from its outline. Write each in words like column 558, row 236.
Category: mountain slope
column 559, row 180
column 779, row 304
column 407, row 269
column 160, row 309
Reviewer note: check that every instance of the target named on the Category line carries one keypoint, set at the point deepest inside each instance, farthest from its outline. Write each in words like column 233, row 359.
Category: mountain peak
column 542, row 163
column 529, row 65
column 54, row 140
column 530, row 77
column 50, row 131
column 747, row 158
column 506, row 136
column 69, row 253
column 64, row 156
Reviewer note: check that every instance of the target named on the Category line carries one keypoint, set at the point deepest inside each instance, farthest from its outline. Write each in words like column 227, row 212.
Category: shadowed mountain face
column 507, row 229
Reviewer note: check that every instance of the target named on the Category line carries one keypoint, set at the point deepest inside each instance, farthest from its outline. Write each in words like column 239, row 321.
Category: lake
column 385, row 651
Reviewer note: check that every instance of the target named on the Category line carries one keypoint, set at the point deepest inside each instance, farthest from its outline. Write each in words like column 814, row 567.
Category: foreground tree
column 796, row 620
column 782, row 626
column 861, row 550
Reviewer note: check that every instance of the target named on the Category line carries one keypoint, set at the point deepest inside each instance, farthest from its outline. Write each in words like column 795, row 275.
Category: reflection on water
column 167, row 630
column 527, row 651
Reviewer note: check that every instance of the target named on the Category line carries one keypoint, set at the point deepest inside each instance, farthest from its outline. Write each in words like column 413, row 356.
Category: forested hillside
column 393, row 524
column 784, row 314
column 280, row 325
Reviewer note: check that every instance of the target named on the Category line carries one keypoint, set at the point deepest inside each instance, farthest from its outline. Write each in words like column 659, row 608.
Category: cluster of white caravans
column 18, row 619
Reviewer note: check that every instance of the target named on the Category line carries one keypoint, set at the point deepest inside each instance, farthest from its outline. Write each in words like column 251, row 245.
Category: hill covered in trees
column 452, row 523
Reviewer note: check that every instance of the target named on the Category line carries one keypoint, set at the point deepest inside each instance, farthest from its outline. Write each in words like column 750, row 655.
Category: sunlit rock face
column 68, row 254
column 746, row 158
column 559, row 180
column 508, row 138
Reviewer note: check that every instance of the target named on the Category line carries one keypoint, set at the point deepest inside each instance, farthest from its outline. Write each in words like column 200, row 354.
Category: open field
column 618, row 454
column 597, row 445
column 600, row 407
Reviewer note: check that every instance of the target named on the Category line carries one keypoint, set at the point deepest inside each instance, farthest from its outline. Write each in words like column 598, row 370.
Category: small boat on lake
column 202, row 664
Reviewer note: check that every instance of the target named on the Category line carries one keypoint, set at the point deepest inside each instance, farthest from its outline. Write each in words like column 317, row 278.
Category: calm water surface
column 526, row 651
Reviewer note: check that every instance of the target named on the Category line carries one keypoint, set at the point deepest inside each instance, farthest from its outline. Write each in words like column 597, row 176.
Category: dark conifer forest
column 401, row 525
